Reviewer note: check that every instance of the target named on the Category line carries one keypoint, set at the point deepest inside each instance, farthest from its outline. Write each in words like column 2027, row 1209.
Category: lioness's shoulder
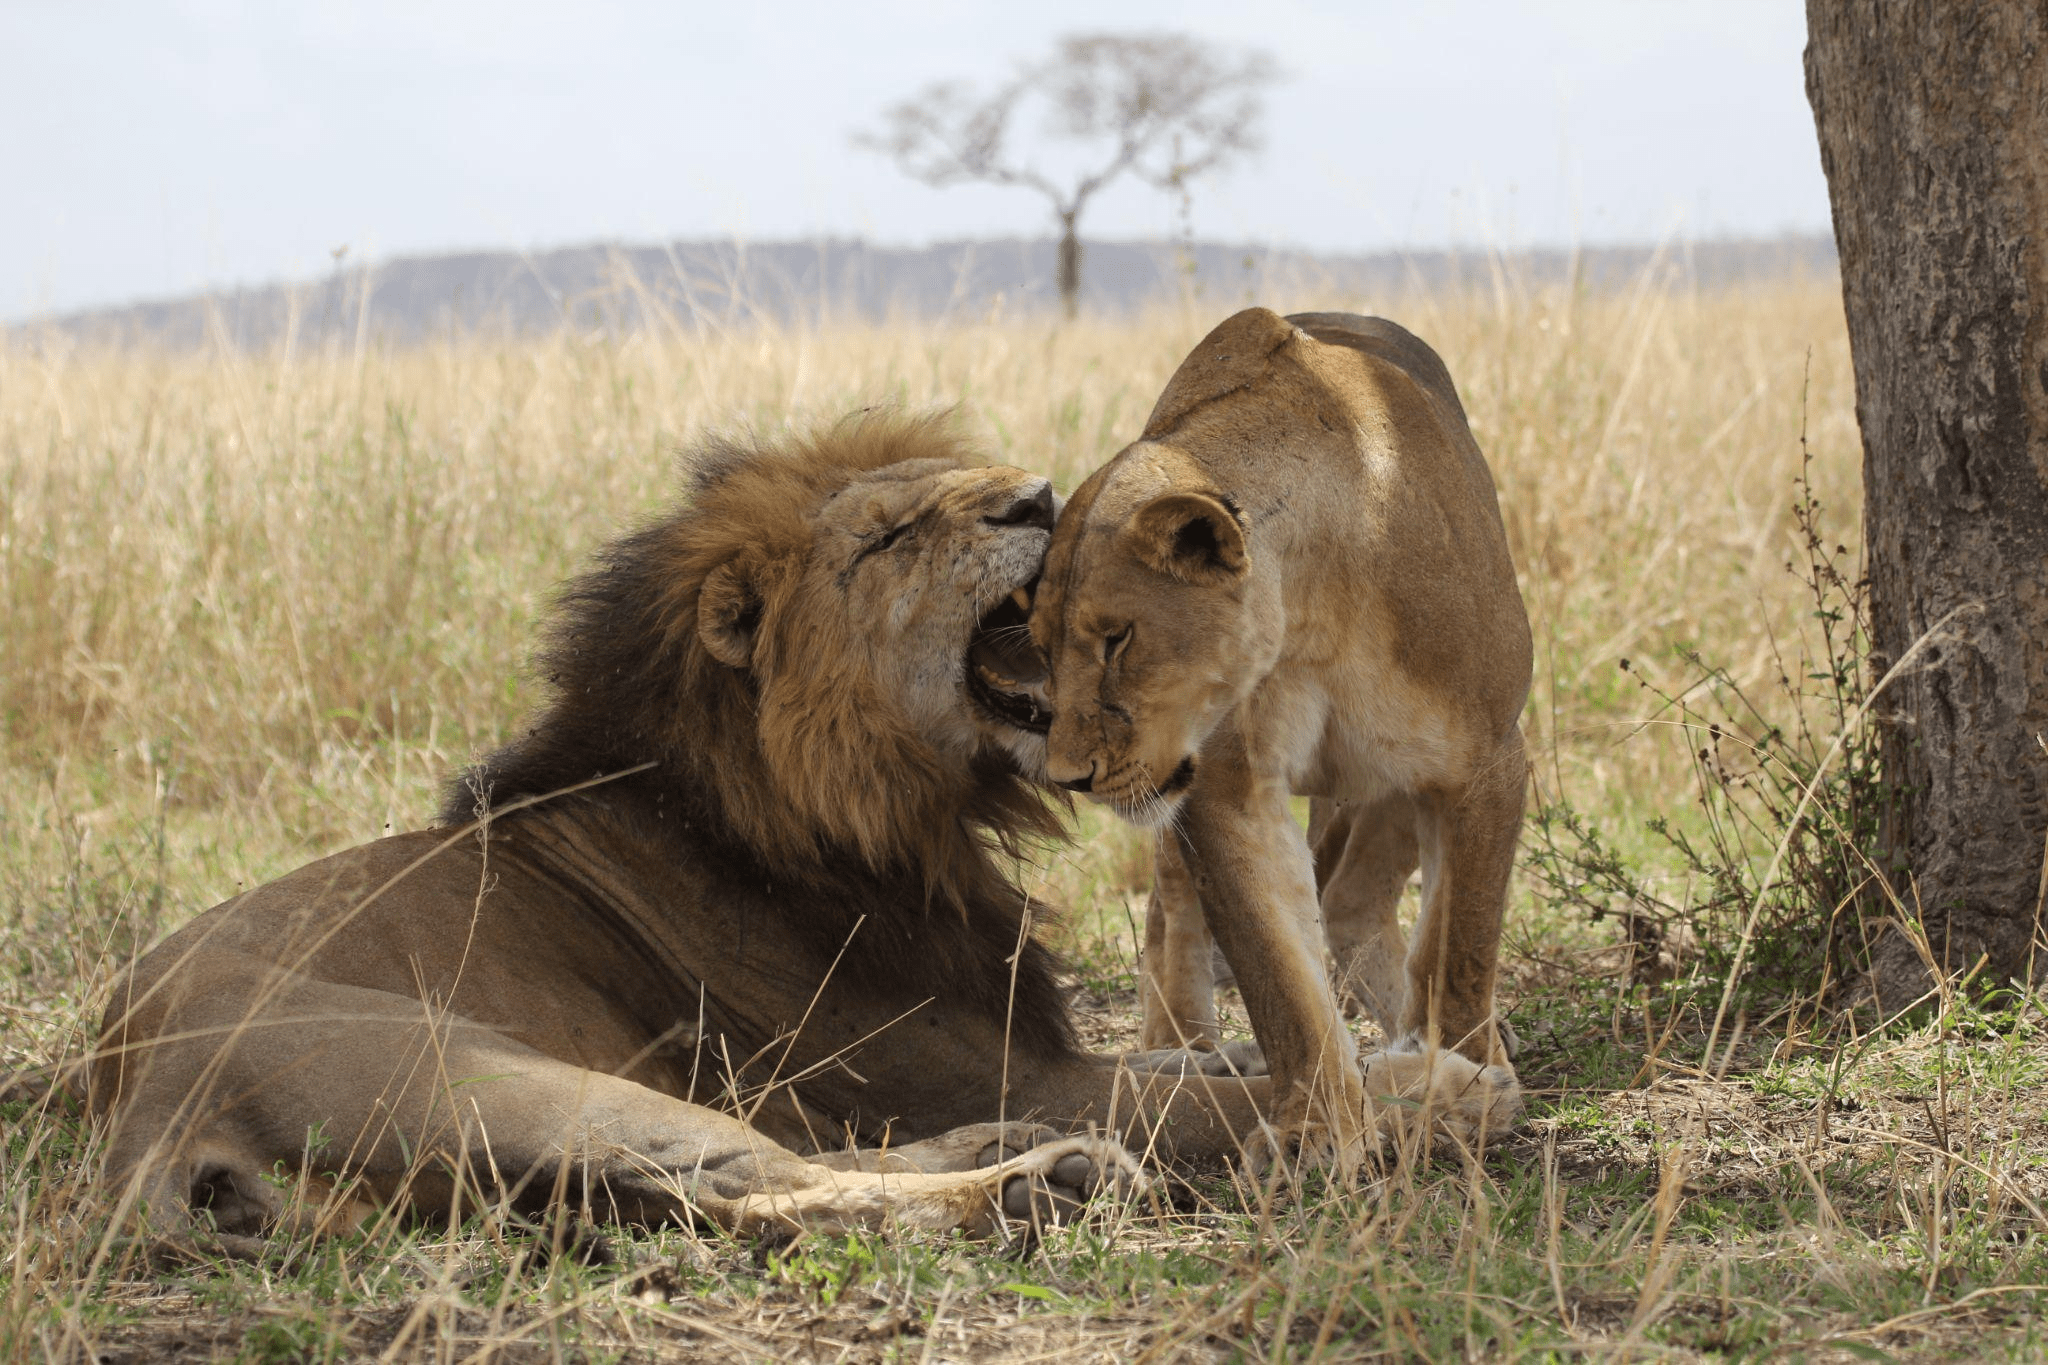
column 1244, row 346
column 1388, row 341
column 1234, row 356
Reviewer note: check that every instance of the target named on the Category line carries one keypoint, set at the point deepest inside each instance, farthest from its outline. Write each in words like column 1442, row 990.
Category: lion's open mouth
column 1004, row 671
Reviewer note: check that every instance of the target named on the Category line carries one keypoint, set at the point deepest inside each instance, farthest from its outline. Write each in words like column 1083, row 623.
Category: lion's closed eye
column 884, row 540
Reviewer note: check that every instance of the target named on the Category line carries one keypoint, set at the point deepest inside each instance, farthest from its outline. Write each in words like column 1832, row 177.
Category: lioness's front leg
column 1467, row 839
column 1364, row 854
column 1256, row 884
column 1176, row 976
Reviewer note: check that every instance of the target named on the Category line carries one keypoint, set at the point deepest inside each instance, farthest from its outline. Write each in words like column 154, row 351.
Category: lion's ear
column 1190, row 536
column 728, row 615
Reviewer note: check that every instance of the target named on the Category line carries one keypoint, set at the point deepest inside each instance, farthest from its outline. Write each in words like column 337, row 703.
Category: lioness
column 727, row 933
column 1297, row 581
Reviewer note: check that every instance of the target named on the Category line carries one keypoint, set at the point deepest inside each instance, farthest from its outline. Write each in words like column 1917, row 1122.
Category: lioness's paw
column 1052, row 1180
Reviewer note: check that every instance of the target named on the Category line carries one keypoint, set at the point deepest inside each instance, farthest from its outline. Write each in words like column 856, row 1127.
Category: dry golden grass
column 294, row 591
column 254, row 609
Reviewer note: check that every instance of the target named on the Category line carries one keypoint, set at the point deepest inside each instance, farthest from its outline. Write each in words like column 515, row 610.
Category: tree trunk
column 1070, row 265
column 1933, row 121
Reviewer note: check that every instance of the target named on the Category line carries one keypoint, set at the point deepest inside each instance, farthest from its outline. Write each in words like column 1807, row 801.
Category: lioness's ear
column 728, row 615
column 1191, row 536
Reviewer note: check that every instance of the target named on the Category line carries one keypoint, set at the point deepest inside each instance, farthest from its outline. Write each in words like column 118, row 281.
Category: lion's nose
column 1033, row 509
column 1084, row 783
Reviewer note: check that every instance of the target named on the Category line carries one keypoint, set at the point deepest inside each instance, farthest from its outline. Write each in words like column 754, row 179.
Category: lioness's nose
column 1033, row 509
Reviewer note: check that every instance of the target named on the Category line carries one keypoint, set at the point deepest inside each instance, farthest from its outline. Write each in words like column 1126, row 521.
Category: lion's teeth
column 1022, row 597
column 995, row 679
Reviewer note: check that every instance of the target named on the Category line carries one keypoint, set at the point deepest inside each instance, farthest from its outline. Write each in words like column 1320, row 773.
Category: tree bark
column 1933, row 123
column 1070, row 264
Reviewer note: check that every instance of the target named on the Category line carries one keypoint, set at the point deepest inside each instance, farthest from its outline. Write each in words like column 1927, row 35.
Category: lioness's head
column 1150, row 620
column 823, row 650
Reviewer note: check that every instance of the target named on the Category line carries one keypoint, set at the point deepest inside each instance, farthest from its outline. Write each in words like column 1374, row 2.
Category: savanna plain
column 254, row 608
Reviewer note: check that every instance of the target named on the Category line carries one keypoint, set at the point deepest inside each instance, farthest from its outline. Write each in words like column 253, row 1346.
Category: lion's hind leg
column 197, row 1160
column 192, row 1200
column 222, row 1104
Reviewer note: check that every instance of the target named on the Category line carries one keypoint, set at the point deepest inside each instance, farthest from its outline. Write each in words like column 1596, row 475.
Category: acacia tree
column 1933, row 123
column 1161, row 107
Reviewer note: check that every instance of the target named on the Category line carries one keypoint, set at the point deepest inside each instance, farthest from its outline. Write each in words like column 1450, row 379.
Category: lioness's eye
column 1114, row 642
column 888, row 538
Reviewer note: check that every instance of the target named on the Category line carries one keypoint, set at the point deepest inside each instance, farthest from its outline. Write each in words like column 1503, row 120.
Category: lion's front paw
column 971, row 1147
column 1053, row 1179
column 1241, row 1057
column 1002, row 1142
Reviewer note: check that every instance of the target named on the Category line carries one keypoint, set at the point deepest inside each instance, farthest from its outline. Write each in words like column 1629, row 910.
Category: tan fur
column 1297, row 581
column 734, row 939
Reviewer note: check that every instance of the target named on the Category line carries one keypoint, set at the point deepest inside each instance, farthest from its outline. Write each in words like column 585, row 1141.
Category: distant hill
column 695, row 286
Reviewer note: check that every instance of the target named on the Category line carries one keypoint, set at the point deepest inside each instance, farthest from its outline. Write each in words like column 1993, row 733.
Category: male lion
column 1297, row 581
column 726, row 934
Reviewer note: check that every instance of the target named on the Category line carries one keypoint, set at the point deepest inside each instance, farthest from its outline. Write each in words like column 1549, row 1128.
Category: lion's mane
column 882, row 851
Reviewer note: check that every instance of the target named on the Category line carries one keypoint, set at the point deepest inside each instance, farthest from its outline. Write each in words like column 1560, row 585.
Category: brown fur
column 1298, row 582
column 735, row 939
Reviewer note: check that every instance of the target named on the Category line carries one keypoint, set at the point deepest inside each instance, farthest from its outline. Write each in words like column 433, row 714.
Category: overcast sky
column 151, row 149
